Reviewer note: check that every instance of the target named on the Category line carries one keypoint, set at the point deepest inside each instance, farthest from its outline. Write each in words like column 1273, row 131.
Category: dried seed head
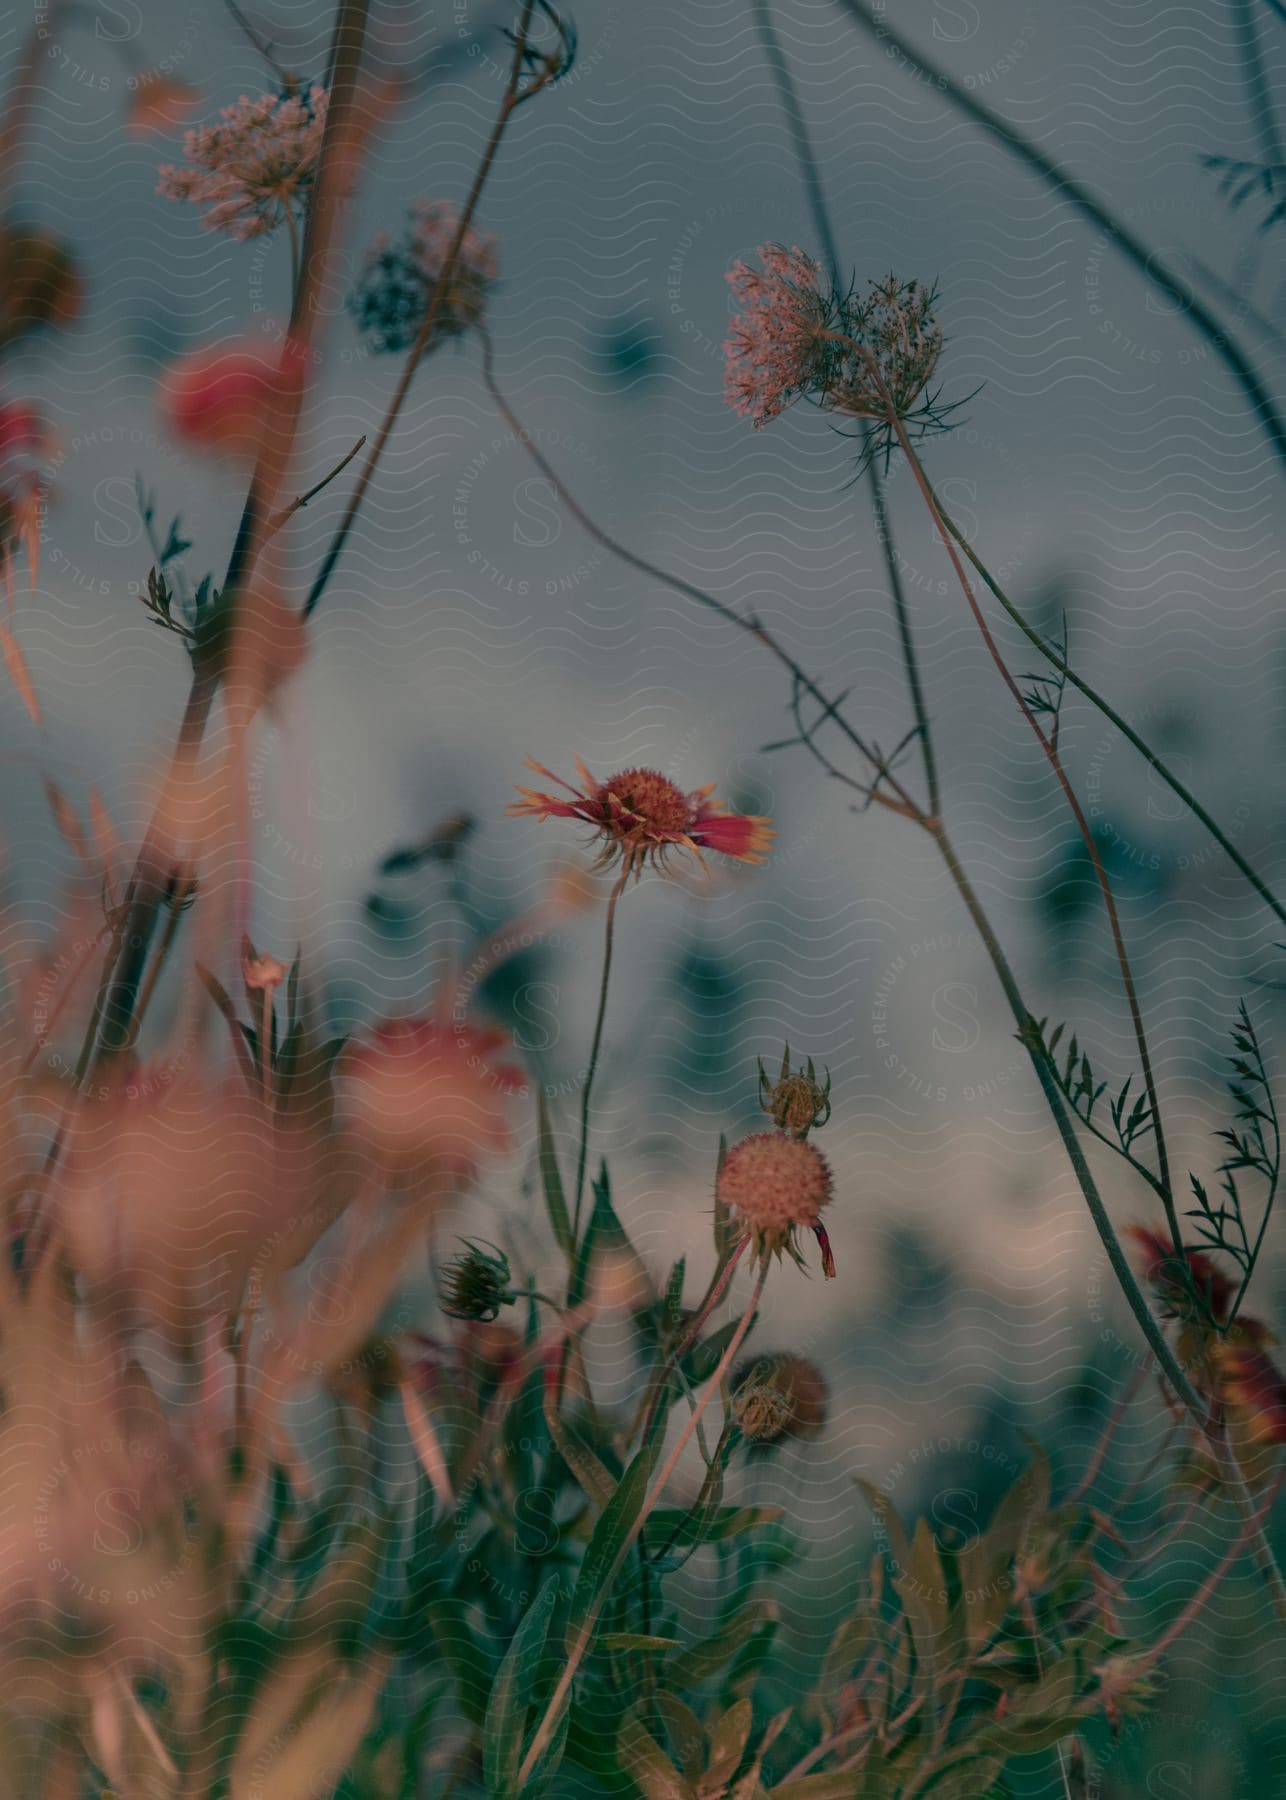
column 399, row 278
column 761, row 1411
column 774, row 1184
column 796, row 1101
column 794, row 1381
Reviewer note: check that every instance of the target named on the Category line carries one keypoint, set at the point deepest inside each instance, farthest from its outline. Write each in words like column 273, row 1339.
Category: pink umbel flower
column 772, row 1185
column 773, row 343
column 797, row 336
column 255, row 166
column 642, row 816
column 398, row 278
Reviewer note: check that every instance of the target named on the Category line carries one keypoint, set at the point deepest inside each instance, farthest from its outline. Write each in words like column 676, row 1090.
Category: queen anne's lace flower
column 797, row 336
column 255, row 166
column 773, row 343
column 398, row 278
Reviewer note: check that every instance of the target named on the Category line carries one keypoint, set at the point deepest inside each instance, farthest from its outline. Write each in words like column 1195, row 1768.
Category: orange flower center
column 640, row 803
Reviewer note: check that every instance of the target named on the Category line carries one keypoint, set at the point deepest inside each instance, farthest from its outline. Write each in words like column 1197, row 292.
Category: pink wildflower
column 641, row 815
column 256, row 166
column 799, row 337
column 422, row 1090
column 216, row 398
column 772, row 344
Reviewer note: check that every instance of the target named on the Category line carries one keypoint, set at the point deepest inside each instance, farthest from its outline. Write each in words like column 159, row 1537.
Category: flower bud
column 476, row 1285
column 796, row 1101
column 784, row 1390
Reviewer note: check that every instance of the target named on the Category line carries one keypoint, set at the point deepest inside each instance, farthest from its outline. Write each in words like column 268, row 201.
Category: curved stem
column 508, row 104
column 713, row 1295
column 815, row 193
column 585, row 1633
column 582, row 1154
column 1193, row 1404
column 1068, row 188
column 900, row 801
column 1048, row 745
column 1054, row 656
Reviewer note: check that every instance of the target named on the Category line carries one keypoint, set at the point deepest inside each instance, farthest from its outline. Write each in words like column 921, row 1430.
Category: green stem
column 1047, row 744
column 1078, row 196
column 1214, row 1432
column 579, row 1645
column 508, row 104
column 582, row 1155
column 1052, row 655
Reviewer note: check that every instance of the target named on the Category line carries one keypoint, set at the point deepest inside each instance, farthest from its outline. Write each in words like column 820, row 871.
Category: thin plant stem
column 1258, row 89
column 1212, row 1583
column 279, row 519
column 609, row 934
column 1114, row 1421
column 174, row 916
column 899, row 801
column 1046, row 741
column 265, row 1044
column 1212, row 1430
column 714, row 1293
column 1023, row 1017
column 256, row 39
column 1078, row 196
column 584, row 1636
column 292, row 233
column 110, row 1022
column 1025, row 1020
column 815, row 193
column 1053, row 655
column 41, row 1040
column 508, row 104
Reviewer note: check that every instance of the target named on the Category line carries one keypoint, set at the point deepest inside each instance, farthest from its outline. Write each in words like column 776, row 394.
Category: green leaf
column 466, row 1657
column 604, row 1232
column 648, row 1766
column 836, row 1785
column 638, row 1640
column 551, row 1181
column 920, row 1580
column 597, row 1480
column 712, row 1526
column 702, row 1660
column 504, row 1727
column 703, row 1358
column 686, row 1733
column 612, row 1532
column 965, row 1780
column 728, row 1740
